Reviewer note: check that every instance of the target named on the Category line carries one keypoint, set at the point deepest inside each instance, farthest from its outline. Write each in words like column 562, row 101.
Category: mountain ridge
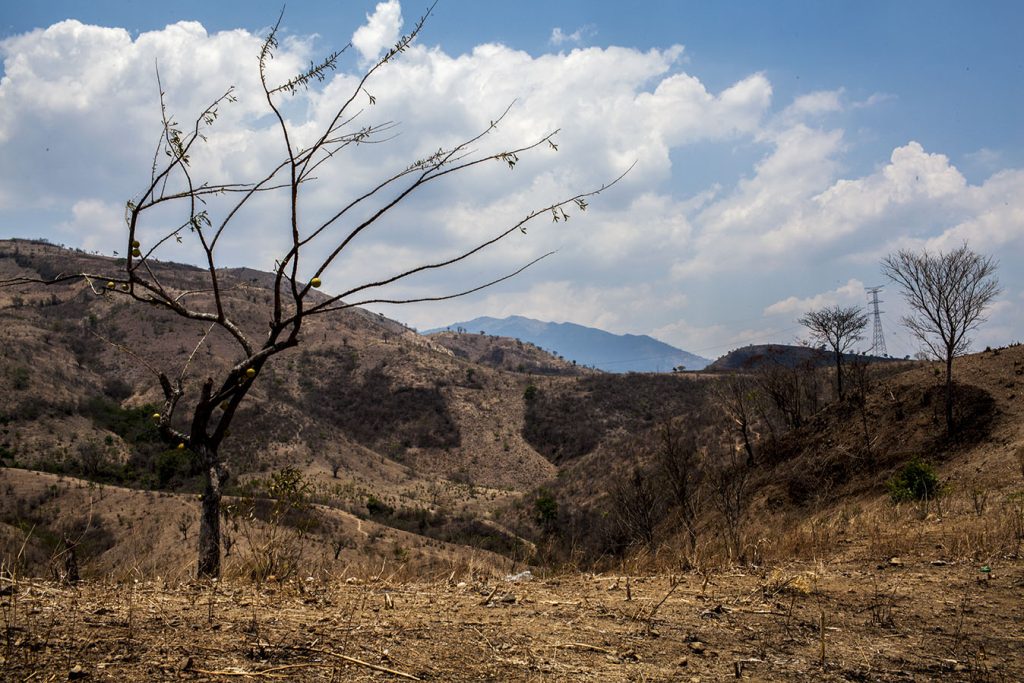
column 585, row 345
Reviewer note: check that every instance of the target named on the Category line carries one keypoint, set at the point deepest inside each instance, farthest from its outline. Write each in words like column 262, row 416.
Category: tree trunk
column 747, row 445
column 949, row 392
column 839, row 373
column 209, row 520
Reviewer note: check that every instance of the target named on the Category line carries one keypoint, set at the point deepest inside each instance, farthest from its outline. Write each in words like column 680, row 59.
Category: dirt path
column 915, row 622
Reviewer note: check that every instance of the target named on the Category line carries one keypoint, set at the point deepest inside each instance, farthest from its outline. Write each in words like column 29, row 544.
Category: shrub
column 917, row 480
column 545, row 510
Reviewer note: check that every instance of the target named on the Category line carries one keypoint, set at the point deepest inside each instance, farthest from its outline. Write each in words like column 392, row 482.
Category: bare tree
column 784, row 389
column 947, row 294
column 729, row 496
column 737, row 395
column 336, row 463
column 680, row 461
column 860, row 378
column 838, row 327
column 636, row 506
column 196, row 415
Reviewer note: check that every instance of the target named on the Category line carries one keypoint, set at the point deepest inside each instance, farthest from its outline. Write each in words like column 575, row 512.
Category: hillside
column 756, row 356
column 586, row 346
column 396, row 417
column 432, row 478
column 506, row 353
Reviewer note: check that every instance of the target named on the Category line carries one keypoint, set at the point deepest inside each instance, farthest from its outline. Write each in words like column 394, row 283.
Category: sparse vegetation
column 813, row 496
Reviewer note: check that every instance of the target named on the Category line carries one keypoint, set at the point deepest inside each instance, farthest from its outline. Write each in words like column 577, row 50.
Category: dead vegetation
column 679, row 527
column 800, row 621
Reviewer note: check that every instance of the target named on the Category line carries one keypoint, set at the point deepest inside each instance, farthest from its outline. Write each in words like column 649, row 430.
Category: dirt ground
column 895, row 621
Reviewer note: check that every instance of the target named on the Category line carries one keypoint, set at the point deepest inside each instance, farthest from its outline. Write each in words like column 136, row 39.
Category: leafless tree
column 680, row 461
column 197, row 414
column 336, row 463
column 729, row 482
column 860, row 379
column 784, row 389
column 947, row 294
column 737, row 395
column 839, row 327
column 636, row 506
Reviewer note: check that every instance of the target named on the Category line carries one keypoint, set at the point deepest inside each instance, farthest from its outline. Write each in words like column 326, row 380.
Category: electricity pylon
column 878, row 343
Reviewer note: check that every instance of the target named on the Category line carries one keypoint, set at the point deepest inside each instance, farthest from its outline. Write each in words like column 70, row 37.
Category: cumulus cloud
column 94, row 225
column 852, row 293
column 79, row 120
column 381, row 30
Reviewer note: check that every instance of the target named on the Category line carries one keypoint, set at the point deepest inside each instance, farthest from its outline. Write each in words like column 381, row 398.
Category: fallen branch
column 489, row 596
column 254, row 674
column 586, row 646
column 359, row 662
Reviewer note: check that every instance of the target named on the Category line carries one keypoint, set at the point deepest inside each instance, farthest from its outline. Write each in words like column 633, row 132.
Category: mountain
column 586, row 345
column 506, row 353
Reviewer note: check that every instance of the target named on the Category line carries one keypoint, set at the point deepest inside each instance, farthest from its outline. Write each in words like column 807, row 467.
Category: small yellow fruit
column 181, row 446
column 110, row 285
column 124, row 287
column 156, row 417
column 250, row 373
column 135, row 244
column 315, row 282
column 136, row 252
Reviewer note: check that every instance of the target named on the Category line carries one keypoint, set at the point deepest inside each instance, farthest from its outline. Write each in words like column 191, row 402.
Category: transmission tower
column 878, row 344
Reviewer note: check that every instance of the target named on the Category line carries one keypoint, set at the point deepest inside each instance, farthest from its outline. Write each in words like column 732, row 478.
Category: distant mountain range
column 587, row 345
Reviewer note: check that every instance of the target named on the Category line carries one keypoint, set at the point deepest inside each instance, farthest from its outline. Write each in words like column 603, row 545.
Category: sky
column 778, row 151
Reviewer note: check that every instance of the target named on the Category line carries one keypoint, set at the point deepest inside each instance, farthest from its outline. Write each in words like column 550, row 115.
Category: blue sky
column 781, row 149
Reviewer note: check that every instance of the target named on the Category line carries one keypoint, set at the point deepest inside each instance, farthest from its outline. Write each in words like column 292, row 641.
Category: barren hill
column 756, row 356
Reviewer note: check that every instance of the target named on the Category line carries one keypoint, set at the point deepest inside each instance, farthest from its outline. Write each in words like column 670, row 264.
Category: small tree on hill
column 197, row 415
column 838, row 327
column 737, row 396
column 947, row 294
column 680, row 463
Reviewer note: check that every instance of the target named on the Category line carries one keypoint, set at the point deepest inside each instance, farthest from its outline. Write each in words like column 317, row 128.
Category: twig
column 255, row 674
column 484, row 638
column 192, row 355
column 353, row 660
column 585, row 646
column 125, row 349
column 489, row 595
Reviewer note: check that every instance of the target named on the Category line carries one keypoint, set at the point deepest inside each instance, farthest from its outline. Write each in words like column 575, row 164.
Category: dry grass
column 912, row 622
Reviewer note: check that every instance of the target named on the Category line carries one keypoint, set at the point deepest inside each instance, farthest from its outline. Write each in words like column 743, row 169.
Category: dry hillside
column 430, row 476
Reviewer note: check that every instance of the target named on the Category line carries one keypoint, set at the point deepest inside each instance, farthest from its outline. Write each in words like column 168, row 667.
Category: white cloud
column 559, row 37
column 872, row 100
column 852, row 293
column 985, row 158
column 381, row 30
column 815, row 103
column 94, row 225
column 79, row 119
